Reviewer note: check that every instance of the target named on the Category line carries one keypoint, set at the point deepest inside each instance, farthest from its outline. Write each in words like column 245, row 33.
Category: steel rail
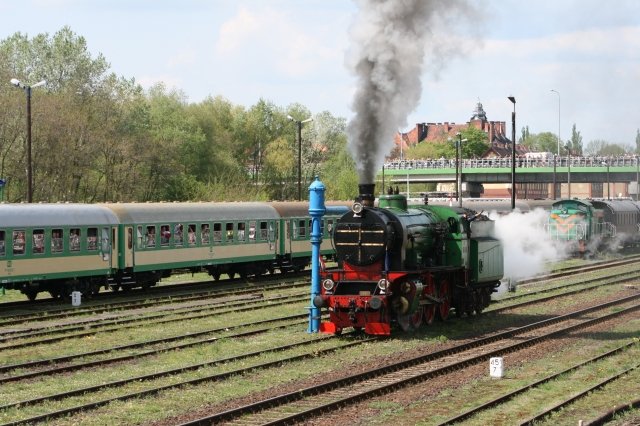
column 356, row 395
column 509, row 396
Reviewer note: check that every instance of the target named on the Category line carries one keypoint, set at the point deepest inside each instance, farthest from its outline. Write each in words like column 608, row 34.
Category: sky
column 294, row 51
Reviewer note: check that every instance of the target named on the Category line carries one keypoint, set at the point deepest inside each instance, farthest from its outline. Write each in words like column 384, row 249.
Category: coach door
column 128, row 248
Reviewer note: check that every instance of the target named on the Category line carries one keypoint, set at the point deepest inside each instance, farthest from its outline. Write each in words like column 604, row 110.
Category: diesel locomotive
column 587, row 226
column 406, row 265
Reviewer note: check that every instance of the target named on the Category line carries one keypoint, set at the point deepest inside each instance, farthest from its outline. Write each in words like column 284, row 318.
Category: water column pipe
column 317, row 210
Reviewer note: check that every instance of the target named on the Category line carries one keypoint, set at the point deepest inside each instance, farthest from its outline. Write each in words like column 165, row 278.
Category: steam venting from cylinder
column 387, row 55
column 367, row 194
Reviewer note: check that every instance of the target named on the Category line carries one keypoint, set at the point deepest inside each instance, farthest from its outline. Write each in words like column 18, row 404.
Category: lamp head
column 512, row 99
column 15, row 82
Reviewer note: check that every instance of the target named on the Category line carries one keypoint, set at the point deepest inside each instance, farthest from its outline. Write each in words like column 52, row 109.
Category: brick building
column 500, row 144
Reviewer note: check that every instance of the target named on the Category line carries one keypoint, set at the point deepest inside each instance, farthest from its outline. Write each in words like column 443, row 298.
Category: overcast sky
column 293, row 51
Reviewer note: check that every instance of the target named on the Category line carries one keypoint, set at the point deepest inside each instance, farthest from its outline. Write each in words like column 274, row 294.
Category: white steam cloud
column 387, row 56
column 527, row 247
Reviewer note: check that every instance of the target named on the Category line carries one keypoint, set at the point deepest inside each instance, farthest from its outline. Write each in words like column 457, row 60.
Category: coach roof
column 197, row 212
column 31, row 215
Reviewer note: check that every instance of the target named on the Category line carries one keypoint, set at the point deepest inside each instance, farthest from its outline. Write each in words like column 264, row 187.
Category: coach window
column 92, row 239
column 229, row 232
column 2, row 245
column 74, row 239
column 177, row 235
column 264, row 232
column 241, row 234
column 252, row 230
column 18, row 242
column 294, row 234
column 204, row 234
column 140, row 240
column 165, row 235
column 151, row 236
column 56, row 241
column 272, row 232
column 192, row 234
column 301, row 228
column 217, row 232
column 38, row 241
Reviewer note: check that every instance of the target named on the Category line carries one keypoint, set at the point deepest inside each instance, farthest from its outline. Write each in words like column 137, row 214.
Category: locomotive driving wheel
column 444, row 293
column 404, row 321
column 429, row 311
column 416, row 318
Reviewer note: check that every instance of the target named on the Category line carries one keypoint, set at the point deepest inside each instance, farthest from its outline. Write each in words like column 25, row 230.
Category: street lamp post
column 605, row 163
column 558, row 151
column 513, row 153
column 637, row 178
column 299, row 134
column 408, row 168
column 27, row 90
column 459, row 173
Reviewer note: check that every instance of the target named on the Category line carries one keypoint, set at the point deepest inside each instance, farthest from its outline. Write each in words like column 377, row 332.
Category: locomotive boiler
column 407, row 265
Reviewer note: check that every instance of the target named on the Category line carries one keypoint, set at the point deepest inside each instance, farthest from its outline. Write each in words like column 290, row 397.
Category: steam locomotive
column 405, row 266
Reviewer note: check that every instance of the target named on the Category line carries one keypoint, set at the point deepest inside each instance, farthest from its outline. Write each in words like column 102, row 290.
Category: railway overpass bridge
column 476, row 172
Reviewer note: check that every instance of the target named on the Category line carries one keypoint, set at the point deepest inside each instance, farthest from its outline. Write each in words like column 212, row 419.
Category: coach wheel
column 231, row 275
column 471, row 303
column 445, row 296
column 216, row 276
column 479, row 300
column 31, row 294
column 416, row 318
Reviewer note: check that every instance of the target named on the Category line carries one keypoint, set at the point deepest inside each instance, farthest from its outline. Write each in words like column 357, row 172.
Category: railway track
column 512, row 334
column 135, row 300
column 523, row 390
column 162, row 290
column 312, row 401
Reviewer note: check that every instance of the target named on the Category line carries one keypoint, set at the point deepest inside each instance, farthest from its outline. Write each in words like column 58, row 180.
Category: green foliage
column 574, row 145
column 604, row 148
column 339, row 176
column 542, row 142
column 475, row 145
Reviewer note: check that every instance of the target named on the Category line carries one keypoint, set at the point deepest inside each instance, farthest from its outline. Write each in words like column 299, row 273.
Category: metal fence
column 443, row 163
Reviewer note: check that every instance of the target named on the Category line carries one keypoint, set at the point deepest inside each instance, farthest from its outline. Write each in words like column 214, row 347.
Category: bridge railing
column 573, row 161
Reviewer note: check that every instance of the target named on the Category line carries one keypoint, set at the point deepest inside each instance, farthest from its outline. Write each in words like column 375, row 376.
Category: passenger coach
column 57, row 247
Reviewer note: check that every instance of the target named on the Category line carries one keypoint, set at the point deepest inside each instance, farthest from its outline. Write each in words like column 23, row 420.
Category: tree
column 524, row 136
column 604, row 148
column 477, row 142
column 574, row 145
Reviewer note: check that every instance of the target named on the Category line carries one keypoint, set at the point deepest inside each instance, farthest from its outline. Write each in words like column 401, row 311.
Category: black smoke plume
column 389, row 40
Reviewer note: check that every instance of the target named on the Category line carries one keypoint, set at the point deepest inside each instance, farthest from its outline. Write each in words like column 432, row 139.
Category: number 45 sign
column 495, row 367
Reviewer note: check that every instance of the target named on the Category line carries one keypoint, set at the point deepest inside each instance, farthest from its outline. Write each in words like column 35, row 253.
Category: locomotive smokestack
column 367, row 193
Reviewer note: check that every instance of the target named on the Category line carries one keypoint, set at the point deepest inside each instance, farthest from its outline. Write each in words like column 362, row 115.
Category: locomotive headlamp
column 383, row 284
column 357, row 207
column 328, row 284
